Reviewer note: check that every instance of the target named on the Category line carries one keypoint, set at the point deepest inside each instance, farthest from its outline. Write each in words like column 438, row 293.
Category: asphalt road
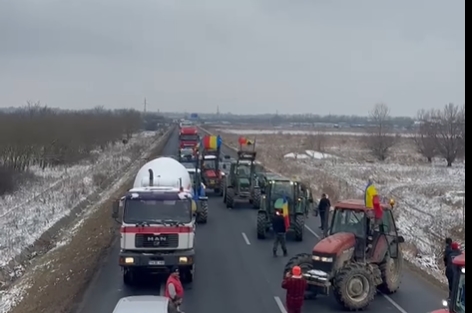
column 236, row 273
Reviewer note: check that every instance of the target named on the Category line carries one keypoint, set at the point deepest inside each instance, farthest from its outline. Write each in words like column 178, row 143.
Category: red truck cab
column 188, row 137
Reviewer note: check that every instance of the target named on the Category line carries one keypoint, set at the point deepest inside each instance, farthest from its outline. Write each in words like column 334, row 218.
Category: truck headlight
column 183, row 259
column 129, row 260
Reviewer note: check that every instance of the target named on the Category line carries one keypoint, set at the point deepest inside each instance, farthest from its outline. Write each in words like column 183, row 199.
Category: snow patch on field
column 309, row 154
column 246, row 132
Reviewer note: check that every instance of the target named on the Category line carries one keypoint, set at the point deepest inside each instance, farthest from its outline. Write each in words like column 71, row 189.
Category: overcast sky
column 317, row 56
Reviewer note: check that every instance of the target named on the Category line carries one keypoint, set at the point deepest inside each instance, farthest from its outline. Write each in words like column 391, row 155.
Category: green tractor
column 240, row 181
column 276, row 191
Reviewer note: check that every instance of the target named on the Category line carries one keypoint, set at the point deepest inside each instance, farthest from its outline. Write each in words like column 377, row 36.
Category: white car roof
column 142, row 304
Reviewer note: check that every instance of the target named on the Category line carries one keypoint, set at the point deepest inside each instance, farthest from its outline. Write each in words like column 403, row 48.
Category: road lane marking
column 396, row 305
column 312, row 232
column 280, row 304
column 246, row 239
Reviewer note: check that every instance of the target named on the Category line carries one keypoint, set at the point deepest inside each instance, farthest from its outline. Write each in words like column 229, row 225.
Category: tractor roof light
column 392, row 202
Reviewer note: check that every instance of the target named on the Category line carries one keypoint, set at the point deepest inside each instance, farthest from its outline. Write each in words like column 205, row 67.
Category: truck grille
column 326, row 267
column 156, row 241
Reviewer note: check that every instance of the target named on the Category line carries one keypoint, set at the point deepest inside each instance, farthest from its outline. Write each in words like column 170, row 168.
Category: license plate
column 157, row 262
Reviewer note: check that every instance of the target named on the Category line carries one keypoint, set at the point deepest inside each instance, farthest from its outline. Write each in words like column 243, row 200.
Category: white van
column 142, row 304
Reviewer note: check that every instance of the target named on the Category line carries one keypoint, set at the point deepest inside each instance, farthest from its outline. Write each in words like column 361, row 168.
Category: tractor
column 456, row 304
column 240, row 181
column 358, row 256
column 275, row 191
column 212, row 175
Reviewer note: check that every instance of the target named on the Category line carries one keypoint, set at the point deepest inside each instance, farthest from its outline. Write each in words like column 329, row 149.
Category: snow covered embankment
column 36, row 207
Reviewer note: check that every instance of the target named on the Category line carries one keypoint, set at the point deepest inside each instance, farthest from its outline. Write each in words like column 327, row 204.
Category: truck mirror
column 115, row 209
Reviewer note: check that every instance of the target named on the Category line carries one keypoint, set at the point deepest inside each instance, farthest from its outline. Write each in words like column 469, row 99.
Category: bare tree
column 381, row 139
column 449, row 131
column 425, row 136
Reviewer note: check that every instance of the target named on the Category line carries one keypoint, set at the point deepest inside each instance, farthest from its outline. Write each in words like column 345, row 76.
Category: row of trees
column 439, row 133
column 38, row 135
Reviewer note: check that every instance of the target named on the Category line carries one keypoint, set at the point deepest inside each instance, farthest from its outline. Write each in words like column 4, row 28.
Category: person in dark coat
column 295, row 285
column 323, row 210
column 447, row 250
column 452, row 253
column 280, row 231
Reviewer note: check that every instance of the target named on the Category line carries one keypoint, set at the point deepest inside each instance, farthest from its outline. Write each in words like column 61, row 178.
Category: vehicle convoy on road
column 279, row 192
column 188, row 138
column 239, row 184
column 210, row 157
column 157, row 221
column 356, row 258
column 456, row 304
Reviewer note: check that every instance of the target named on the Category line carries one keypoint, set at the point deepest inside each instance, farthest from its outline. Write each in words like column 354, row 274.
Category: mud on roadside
column 61, row 275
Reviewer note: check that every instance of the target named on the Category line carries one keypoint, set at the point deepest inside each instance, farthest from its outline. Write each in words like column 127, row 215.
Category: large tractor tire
column 230, row 198
column 304, row 260
column 354, row 287
column 202, row 214
column 391, row 272
column 256, row 200
column 261, row 225
column 299, row 227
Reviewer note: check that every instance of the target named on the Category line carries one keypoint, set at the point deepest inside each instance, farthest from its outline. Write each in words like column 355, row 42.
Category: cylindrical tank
column 163, row 172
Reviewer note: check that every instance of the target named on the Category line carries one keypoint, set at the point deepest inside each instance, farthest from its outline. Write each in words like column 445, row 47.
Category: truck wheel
column 354, row 287
column 202, row 216
column 230, row 198
column 129, row 277
column 299, row 227
column 256, row 202
column 261, row 225
column 391, row 271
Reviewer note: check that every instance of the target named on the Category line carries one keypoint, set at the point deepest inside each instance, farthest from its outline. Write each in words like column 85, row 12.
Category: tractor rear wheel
column 256, row 201
column 202, row 214
column 261, row 225
column 354, row 287
column 230, row 198
column 391, row 271
column 299, row 227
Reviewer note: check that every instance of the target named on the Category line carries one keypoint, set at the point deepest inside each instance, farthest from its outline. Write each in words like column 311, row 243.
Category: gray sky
column 318, row 56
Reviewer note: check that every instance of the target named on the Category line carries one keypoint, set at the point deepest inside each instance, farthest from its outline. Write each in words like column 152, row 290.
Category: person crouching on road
column 280, row 231
column 295, row 284
column 174, row 288
column 455, row 251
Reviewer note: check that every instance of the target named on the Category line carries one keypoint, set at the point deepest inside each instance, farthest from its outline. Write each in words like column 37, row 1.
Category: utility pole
column 145, row 105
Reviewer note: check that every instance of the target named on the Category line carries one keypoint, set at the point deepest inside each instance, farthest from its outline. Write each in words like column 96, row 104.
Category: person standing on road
column 280, row 231
column 174, row 288
column 455, row 251
column 447, row 250
column 295, row 285
column 323, row 211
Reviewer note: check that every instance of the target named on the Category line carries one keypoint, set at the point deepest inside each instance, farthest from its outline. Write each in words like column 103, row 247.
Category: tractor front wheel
column 202, row 214
column 354, row 287
column 256, row 200
column 261, row 225
column 299, row 227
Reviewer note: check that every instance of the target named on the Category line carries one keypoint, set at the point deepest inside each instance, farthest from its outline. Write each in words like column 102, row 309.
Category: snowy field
column 38, row 205
column 430, row 197
column 305, row 132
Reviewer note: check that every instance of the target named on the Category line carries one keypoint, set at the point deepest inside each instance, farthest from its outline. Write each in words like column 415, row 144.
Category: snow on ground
column 246, row 132
column 430, row 197
column 29, row 212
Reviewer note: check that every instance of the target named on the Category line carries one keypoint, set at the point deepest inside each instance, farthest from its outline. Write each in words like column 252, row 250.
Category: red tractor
column 456, row 304
column 211, row 171
column 358, row 256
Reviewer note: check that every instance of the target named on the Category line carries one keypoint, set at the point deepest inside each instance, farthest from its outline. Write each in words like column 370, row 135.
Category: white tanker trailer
column 157, row 219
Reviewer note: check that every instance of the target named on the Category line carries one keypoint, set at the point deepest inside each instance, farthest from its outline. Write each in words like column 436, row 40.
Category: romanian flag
column 372, row 200
column 211, row 142
column 286, row 213
column 245, row 142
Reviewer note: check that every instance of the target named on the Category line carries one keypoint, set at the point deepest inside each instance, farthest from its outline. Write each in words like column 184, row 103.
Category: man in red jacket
column 295, row 285
column 174, row 288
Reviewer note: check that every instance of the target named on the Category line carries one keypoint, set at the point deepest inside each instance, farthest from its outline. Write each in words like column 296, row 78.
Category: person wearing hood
column 452, row 253
column 295, row 284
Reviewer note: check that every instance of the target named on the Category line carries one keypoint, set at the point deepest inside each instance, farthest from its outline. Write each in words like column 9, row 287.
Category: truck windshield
column 349, row 221
column 142, row 211
column 460, row 297
column 189, row 137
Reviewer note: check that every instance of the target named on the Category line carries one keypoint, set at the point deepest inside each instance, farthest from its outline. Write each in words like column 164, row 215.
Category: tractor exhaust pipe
column 151, row 178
